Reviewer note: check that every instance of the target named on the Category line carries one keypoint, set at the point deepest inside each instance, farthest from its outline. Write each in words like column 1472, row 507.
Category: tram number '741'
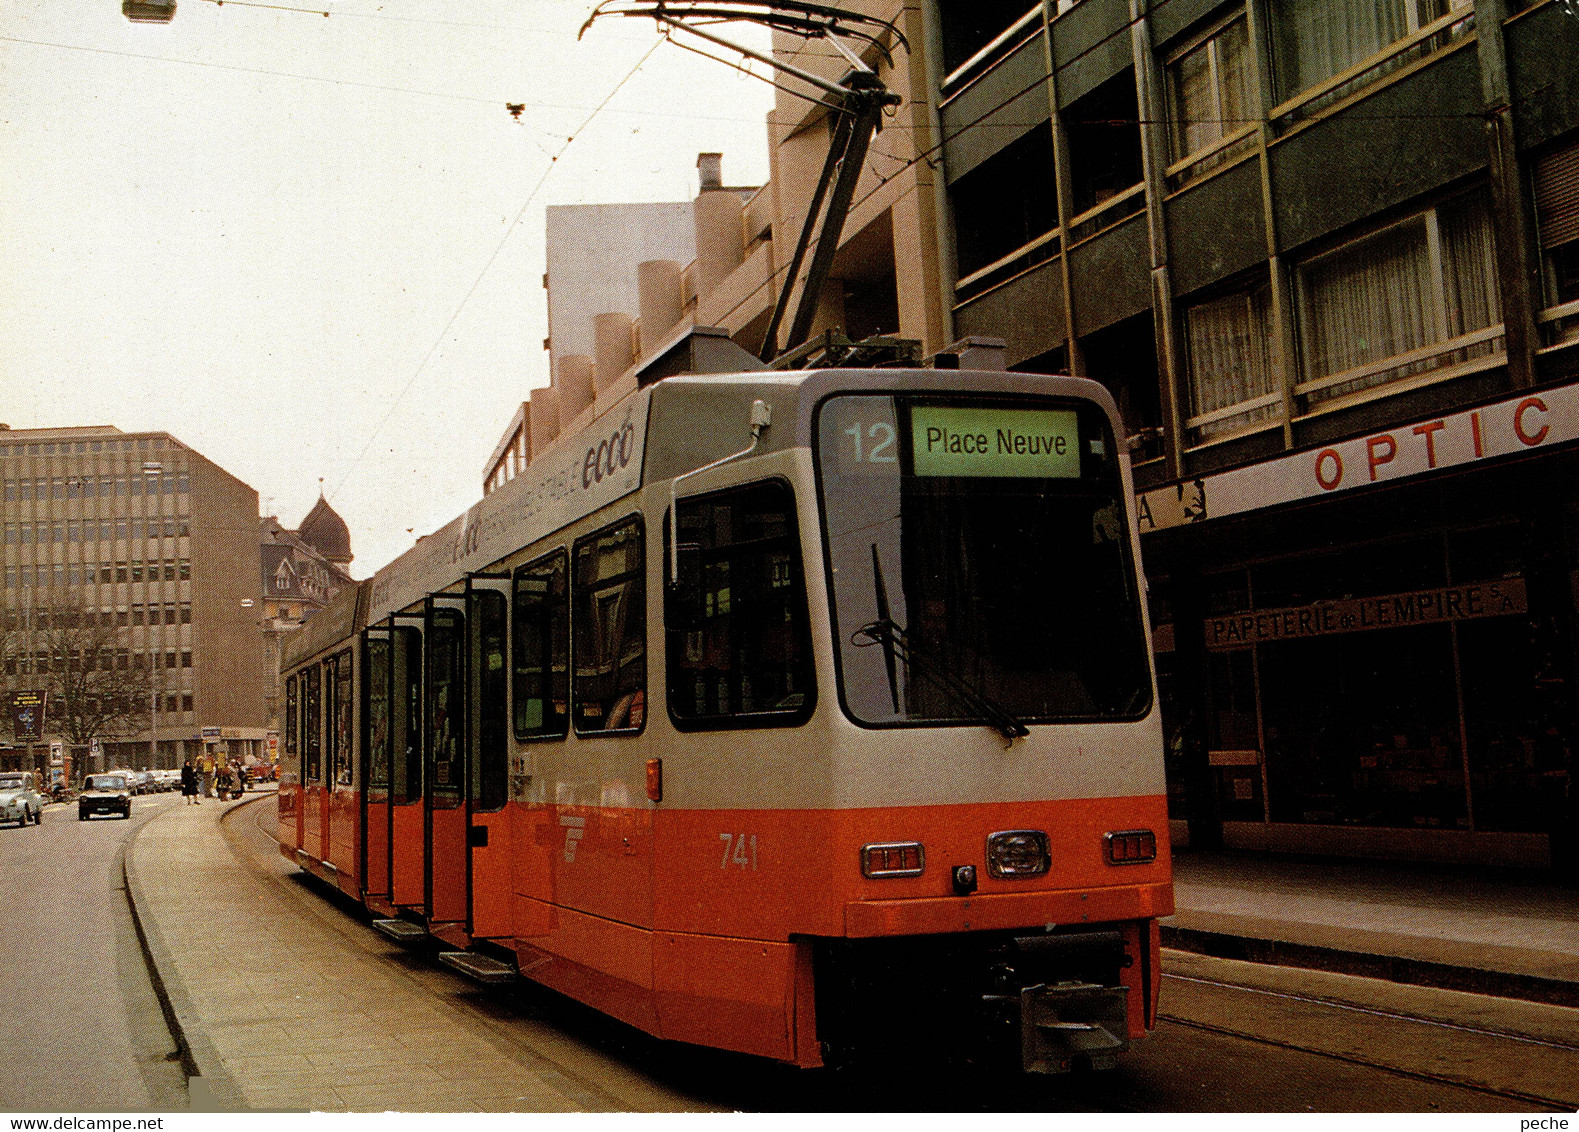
column 740, row 850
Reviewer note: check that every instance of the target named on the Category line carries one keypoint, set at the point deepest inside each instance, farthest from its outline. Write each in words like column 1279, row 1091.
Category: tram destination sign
column 1360, row 614
column 1030, row 443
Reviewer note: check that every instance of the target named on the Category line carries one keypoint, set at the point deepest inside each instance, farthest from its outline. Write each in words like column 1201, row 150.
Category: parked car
column 105, row 794
column 20, row 800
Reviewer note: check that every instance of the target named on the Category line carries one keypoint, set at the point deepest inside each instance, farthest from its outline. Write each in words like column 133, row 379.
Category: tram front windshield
column 990, row 536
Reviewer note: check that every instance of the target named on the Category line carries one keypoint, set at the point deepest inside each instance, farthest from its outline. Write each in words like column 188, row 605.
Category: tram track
column 1350, row 1058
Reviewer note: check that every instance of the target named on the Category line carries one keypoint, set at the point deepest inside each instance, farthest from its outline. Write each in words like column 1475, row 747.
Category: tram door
column 406, row 830
column 487, row 756
column 444, row 762
column 373, row 850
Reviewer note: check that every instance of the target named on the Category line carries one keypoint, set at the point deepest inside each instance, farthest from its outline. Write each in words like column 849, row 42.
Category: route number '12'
column 740, row 850
column 882, row 452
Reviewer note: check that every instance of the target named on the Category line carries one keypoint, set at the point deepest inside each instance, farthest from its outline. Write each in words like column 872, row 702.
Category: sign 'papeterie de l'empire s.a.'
column 1466, row 602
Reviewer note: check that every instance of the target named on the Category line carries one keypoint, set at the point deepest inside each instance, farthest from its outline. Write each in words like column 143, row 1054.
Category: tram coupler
column 1060, row 1022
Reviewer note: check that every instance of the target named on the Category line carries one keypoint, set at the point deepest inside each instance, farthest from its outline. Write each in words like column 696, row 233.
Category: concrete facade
column 148, row 536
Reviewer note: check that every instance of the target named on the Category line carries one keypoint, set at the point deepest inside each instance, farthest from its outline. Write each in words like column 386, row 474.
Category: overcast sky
column 249, row 227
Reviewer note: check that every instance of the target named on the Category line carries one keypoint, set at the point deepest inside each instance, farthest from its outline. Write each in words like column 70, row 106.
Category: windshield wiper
column 895, row 643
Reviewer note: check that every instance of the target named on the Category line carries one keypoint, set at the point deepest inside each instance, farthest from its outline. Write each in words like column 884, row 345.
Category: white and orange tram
column 846, row 741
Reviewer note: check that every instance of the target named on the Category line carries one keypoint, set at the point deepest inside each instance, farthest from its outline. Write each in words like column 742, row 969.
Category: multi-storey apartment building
column 1325, row 254
column 138, row 533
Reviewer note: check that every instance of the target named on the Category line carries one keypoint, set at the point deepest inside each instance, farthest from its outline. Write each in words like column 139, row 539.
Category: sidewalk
column 286, row 1002
column 1491, row 931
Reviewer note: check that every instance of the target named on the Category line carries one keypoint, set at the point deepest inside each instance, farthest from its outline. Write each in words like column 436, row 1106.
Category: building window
column 1005, row 202
column 1415, row 297
column 969, row 25
column 1103, row 128
column 609, row 630
column 1556, row 177
column 541, row 615
column 186, row 613
column 1228, row 342
column 1317, row 40
column 186, row 703
column 186, row 658
column 1210, row 97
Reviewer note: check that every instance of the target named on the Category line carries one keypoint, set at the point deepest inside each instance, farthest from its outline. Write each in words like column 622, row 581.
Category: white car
column 20, row 800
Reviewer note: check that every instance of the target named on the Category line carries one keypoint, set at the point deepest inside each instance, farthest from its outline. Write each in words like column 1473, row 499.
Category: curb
column 1393, row 968
column 209, row 1087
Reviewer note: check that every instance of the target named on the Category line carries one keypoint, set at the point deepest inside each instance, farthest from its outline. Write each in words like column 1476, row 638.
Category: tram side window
column 542, row 648
column 405, row 702
column 609, row 629
column 487, row 626
column 342, row 718
column 312, row 724
column 375, row 700
column 291, row 715
column 445, row 706
column 739, row 646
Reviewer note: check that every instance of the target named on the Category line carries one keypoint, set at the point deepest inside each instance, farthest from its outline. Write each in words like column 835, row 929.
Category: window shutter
column 1557, row 196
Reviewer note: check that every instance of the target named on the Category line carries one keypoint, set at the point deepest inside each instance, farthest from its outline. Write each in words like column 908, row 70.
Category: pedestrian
column 189, row 784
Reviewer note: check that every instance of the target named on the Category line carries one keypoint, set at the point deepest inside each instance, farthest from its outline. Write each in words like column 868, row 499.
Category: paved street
column 318, row 1011
column 81, row 1027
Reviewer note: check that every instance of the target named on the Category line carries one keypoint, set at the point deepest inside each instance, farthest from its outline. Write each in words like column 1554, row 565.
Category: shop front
column 1383, row 671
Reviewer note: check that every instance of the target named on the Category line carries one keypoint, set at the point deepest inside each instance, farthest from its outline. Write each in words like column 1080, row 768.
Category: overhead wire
column 353, row 82
column 531, row 196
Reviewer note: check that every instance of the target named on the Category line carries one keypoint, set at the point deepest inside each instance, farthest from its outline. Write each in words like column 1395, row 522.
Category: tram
column 805, row 714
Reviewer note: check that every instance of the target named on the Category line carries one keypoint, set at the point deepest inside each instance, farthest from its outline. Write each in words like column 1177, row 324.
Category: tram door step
column 401, row 931
column 478, row 967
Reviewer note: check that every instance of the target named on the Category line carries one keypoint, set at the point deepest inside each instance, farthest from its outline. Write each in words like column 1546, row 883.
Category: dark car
column 105, row 794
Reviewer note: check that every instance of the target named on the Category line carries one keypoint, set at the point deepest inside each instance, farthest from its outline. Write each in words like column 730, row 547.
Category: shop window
column 1233, row 740
column 1005, row 202
column 967, row 26
column 1417, row 296
column 1317, row 40
column 541, row 614
column 1210, row 96
column 1103, row 128
column 609, row 630
column 1233, row 382
column 1362, row 729
column 1556, row 177
column 739, row 649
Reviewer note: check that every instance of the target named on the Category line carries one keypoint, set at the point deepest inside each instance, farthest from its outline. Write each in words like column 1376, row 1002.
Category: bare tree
column 98, row 688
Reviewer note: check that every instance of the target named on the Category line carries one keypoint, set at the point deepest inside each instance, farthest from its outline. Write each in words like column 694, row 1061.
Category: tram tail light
column 893, row 859
column 655, row 779
column 1131, row 847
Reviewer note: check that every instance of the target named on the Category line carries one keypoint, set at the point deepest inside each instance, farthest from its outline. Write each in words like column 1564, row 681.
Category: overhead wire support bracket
column 859, row 101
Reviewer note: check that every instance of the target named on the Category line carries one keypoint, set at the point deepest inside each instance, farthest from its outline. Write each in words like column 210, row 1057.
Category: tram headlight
column 1017, row 853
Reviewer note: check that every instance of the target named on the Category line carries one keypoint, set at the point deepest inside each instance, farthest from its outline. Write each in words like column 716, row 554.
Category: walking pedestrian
column 189, row 784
